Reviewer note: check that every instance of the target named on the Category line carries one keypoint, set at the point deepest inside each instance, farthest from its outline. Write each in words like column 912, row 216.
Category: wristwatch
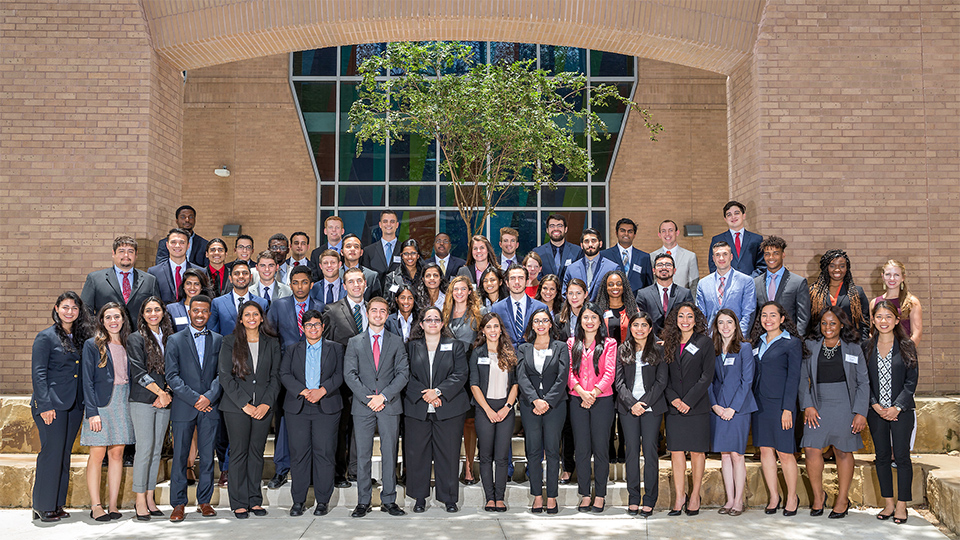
column 438, row 392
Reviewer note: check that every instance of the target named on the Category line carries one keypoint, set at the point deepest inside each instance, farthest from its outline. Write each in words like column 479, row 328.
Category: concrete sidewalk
column 473, row 523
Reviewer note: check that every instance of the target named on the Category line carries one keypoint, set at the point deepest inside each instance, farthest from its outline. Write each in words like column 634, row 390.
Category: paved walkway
column 471, row 524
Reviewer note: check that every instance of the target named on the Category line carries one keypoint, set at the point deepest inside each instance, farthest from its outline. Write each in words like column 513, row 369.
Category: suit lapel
column 781, row 287
column 112, row 280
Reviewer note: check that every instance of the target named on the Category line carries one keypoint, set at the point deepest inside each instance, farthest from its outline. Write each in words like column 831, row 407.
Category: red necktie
column 179, row 279
column 127, row 289
column 720, row 290
column 665, row 301
column 302, row 308
column 296, row 263
column 376, row 352
column 736, row 242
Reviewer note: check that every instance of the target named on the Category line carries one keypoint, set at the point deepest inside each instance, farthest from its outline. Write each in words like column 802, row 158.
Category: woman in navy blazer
column 435, row 405
column 57, row 402
column 106, row 393
column 732, row 402
column 892, row 368
column 642, row 404
column 250, row 382
column 834, row 396
column 542, row 372
column 779, row 353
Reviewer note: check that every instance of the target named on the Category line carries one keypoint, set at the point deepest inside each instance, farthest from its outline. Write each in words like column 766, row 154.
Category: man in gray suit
column 376, row 370
column 788, row 289
column 121, row 283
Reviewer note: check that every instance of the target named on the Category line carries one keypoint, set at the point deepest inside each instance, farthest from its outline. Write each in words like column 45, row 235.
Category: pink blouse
column 587, row 378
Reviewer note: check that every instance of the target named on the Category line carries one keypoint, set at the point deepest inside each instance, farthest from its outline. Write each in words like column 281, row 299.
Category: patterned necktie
column 329, row 298
column 178, row 280
column 772, row 288
column 665, row 301
column 589, row 264
column 301, row 308
column 736, row 242
column 626, row 262
column 388, row 252
column 266, row 295
column 556, row 258
column 518, row 322
column 357, row 318
column 443, row 266
column 239, row 302
column 376, row 352
column 126, row 289
column 720, row 290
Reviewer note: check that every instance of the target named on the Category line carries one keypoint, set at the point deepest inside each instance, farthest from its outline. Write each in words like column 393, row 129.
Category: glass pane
column 600, row 223
column 361, row 195
column 452, row 224
column 607, row 64
column 318, row 101
column 352, row 56
column 413, row 159
column 420, row 225
column 576, row 222
column 564, row 196
column 555, row 59
column 371, row 164
column 599, row 198
column 324, row 146
column 327, row 195
column 362, row 223
column 612, row 115
column 315, row 63
column 478, row 57
column 525, row 222
column 508, row 53
column 516, row 196
column 324, row 214
column 416, row 195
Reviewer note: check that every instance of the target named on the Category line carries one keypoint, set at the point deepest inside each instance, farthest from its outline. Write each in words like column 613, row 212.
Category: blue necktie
column 266, row 295
column 518, row 323
column 329, row 299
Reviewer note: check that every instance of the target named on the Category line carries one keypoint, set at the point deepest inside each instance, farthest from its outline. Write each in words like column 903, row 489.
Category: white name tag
column 483, row 361
column 637, row 268
column 566, row 262
column 394, row 288
column 180, row 320
column 692, row 348
column 449, row 347
column 608, row 314
column 396, row 259
column 756, row 352
column 852, row 358
column 728, row 361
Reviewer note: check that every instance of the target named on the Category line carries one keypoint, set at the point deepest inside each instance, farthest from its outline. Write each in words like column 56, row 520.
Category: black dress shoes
column 321, row 509
column 342, row 483
column 452, row 508
column 277, row 481
column 63, row 514
column 259, row 511
column 646, row 513
column 392, row 509
column 49, row 516
column 361, row 510
column 296, row 509
column 156, row 513
column 420, row 506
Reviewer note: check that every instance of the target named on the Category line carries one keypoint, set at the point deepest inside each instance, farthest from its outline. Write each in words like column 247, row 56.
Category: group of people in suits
column 351, row 341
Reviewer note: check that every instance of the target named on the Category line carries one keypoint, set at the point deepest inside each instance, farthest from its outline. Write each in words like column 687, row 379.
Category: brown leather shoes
column 206, row 510
column 177, row 515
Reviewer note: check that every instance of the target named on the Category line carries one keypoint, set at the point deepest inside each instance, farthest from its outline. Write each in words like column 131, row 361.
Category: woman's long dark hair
column 557, row 304
column 908, row 349
column 820, row 289
column 395, row 306
column 421, row 289
column 241, row 349
column 629, row 302
column 416, row 331
column 506, row 356
column 788, row 326
column 102, row 337
column 737, row 334
column 652, row 353
column 83, row 326
column 671, row 333
column 205, row 287
column 501, row 293
column 530, row 335
column 566, row 311
column 150, row 345
column 418, row 274
column 576, row 354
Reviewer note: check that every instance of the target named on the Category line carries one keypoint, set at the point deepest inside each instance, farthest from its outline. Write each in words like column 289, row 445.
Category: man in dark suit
column 788, row 289
column 329, row 286
column 333, row 230
column 557, row 254
column 591, row 267
column 312, row 373
column 744, row 245
column 122, row 283
column 634, row 262
column 509, row 244
column 243, row 249
column 659, row 298
column 516, row 309
column 223, row 315
column 186, row 218
column 375, row 368
column 190, row 362
column 384, row 256
column 299, row 248
column 441, row 255
column 169, row 273
column 352, row 254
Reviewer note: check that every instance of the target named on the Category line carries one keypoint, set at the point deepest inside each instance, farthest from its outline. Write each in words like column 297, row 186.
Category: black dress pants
column 642, row 432
column 493, row 446
column 248, row 438
column 53, row 461
column 882, row 431
column 433, row 442
column 313, row 445
column 591, row 436
column 542, row 434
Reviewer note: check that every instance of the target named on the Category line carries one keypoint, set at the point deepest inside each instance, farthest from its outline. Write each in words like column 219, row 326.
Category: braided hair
column 820, row 289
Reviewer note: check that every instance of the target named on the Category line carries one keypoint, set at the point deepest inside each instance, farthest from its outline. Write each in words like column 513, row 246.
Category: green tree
column 497, row 125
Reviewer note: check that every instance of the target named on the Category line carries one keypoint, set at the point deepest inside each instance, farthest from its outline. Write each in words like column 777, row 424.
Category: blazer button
column 74, row 376
column 76, row 362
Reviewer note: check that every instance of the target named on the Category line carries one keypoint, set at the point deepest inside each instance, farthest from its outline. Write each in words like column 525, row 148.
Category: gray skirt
column 116, row 425
column 835, row 420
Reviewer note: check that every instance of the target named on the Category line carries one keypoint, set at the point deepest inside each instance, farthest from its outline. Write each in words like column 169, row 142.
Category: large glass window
column 407, row 176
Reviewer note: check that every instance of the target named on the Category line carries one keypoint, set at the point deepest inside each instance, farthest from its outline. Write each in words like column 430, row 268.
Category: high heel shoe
column 772, row 511
column 46, row 517
column 586, row 507
column 102, row 519
column 883, row 517
column 840, row 515
column 554, row 510
column 693, row 512
column 791, row 512
column 817, row 512
column 683, row 508
column 900, row 521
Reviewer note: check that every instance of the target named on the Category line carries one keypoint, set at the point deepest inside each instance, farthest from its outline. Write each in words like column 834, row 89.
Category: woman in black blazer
column 493, row 358
column 835, row 287
column 150, row 399
column 435, row 404
column 194, row 283
column 57, row 402
column 403, row 314
column 410, row 271
column 690, row 357
column 543, row 369
column 249, row 367
column 642, row 404
column 893, row 372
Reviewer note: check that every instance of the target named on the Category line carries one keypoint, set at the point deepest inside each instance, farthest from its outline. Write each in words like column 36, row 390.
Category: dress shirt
column 336, row 247
column 282, row 271
column 363, row 312
column 625, row 252
column 497, row 381
column 236, row 298
column 430, row 356
column 261, row 288
column 158, row 337
column 311, row 370
column 120, row 276
column 504, row 259
column 638, row 389
column 336, row 289
column 388, row 249
column 778, row 275
column 540, row 358
column 173, row 269
column 405, row 325
column 443, row 262
column 302, row 262
column 254, row 354
column 200, row 342
column 764, row 345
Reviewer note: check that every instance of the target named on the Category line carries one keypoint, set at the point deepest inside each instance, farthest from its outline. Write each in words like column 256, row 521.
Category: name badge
column 483, row 361
column 637, row 269
column 643, row 363
column 756, row 352
column 449, row 347
column 851, row 358
column 728, row 361
column 566, row 262
column 394, row 288
column 608, row 314
column 180, row 320
column 396, row 259
column 692, row 348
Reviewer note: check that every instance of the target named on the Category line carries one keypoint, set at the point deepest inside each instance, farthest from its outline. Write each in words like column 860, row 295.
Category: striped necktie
column 357, row 318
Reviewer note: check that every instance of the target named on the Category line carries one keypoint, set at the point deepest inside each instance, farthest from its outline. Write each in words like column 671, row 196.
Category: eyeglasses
column 312, row 326
column 539, row 322
column 664, row 265
column 432, row 320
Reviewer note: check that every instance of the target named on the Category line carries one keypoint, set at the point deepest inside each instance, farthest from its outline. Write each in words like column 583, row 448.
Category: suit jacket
column 394, row 327
column 793, row 294
column 750, row 261
column 293, row 371
column 549, row 385
column 55, row 373
column 97, row 381
column 373, row 258
column 733, row 381
column 470, row 271
column 903, row 379
column 449, row 375
column 139, row 374
column 364, row 379
column 778, row 372
column 739, row 294
column 480, row 373
column 260, row 386
column 504, row 308
column 223, row 312
column 215, row 285
column 374, row 287
column 640, row 271
column 578, row 270
column 319, row 291
column 102, row 287
column 186, row 377
column 313, row 265
column 691, row 374
column 685, row 263
column 178, row 315
column 166, row 281
column 282, row 316
column 453, row 266
column 854, row 368
column 339, row 324
column 843, row 302
column 277, row 291
column 649, row 300
column 655, row 379
column 197, row 255
column 569, row 253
